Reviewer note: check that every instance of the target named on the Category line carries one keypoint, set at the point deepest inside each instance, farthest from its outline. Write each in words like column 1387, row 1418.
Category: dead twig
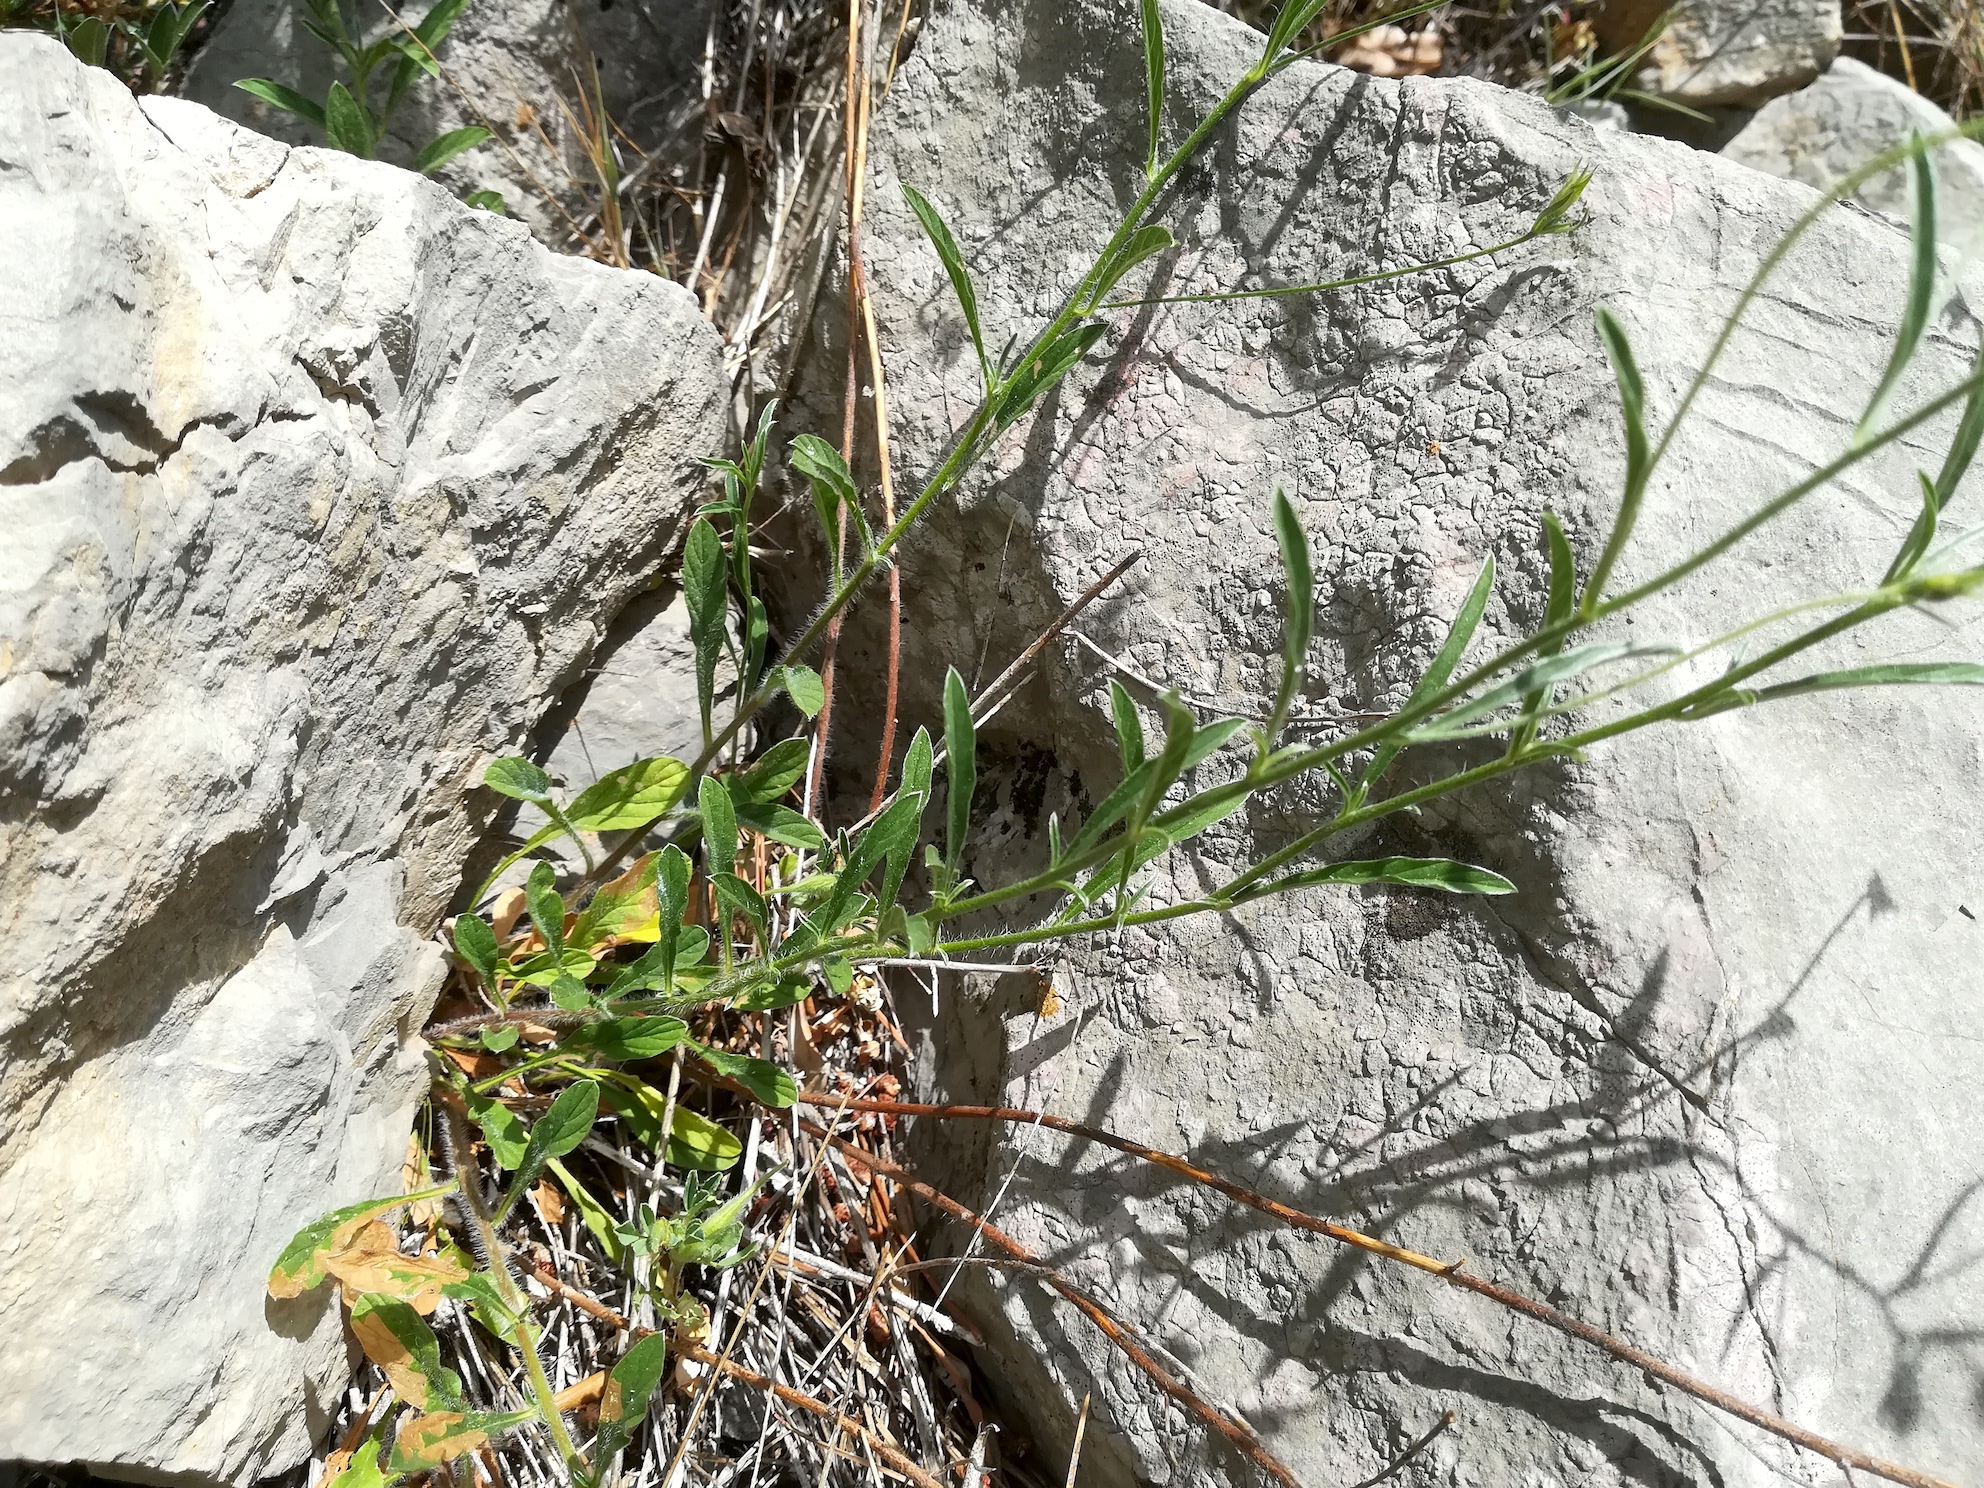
column 1399, row 1463
column 1451, row 1272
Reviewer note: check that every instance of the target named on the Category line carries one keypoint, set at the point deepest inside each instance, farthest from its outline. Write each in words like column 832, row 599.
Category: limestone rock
column 1722, row 53
column 518, row 67
column 1821, row 134
column 1708, row 1080
column 316, row 484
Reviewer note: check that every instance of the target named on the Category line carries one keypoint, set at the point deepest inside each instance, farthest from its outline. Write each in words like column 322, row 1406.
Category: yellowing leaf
column 301, row 1264
column 430, row 1441
column 394, row 1338
column 370, row 1262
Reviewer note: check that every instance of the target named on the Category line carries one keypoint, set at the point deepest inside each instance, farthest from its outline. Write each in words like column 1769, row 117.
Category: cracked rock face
column 1709, row 1080
column 1725, row 53
column 316, row 484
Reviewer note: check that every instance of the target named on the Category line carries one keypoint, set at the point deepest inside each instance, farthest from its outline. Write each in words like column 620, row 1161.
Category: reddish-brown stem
column 1234, row 1431
column 1450, row 1272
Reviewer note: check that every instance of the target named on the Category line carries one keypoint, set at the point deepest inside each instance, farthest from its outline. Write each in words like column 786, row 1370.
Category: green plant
column 137, row 42
column 1583, row 77
column 353, row 116
column 668, row 960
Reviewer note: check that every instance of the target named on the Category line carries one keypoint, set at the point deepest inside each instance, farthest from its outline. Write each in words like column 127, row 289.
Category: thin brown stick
column 856, row 128
column 1010, row 677
column 877, row 1444
column 1081, row 1430
column 1234, row 1431
column 1450, row 1272
column 1399, row 1463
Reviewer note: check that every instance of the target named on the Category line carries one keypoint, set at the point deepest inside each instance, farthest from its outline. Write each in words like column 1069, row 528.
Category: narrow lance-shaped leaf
column 1129, row 726
column 1910, row 674
column 1921, row 533
column 1418, row 873
column 1041, row 371
column 719, row 826
column 438, row 152
column 168, row 29
column 554, row 1134
column 1963, row 448
column 703, row 590
column 1295, row 15
column 953, row 261
column 1921, row 289
column 287, row 99
column 1438, row 673
column 1538, row 677
column 918, row 764
column 1299, row 619
column 672, row 882
column 1179, row 728
column 1144, row 243
column 1153, row 78
column 961, row 766
column 1632, row 410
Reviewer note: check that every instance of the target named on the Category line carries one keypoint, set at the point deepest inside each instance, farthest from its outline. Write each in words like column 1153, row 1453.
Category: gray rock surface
column 1821, row 134
column 316, row 484
column 1722, row 53
column 517, row 67
column 1710, row 1079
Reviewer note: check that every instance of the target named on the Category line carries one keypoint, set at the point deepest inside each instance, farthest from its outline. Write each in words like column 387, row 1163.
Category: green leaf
column 1921, row 289
column 1969, row 430
column 619, row 906
column 475, row 942
column 774, row 772
column 1142, row 244
column 434, row 27
column 631, row 796
column 1153, row 77
column 706, row 591
column 568, row 992
column 629, row 1386
column 501, row 1128
column 632, row 1038
column 761, row 1077
column 1437, row 674
column 362, row 1471
column 644, row 975
column 1294, row 16
column 802, row 684
column 89, row 41
column 1563, row 598
column 167, row 32
column 398, row 1340
column 1920, row 535
column 1899, row 674
column 719, row 827
column 545, row 968
column 488, row 201
column 740, row 898
column 301, row 1264
column 485, row 1303
column 517, row 777
column 559, row 1129
column 1299, row 620
column 347, row 125
column 917, row 765
column 697, row 1143
column 439, row 1437
column 287, row 99
column 782, row 824
column 1179, row 727
column 961, row 765
column 1417, row 873
column 1129, row 726
column 1539, row 676
column 537, row 840
column 439, row 152
column 497, row 1040
column 1042, row 371
column 890, row 839
column 953, row 261
column 547, row 910
column 1639, row 458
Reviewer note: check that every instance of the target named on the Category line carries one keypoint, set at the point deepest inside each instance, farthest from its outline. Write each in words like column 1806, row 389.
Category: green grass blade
column 1563, row 598
column 1418, row 873
column 1920, row 535
column 440, row 151
column 705, row 591
column 1129, row 726
column 719, row 826
column 1909, row 674
column 1963, row 448
column 287, row 99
